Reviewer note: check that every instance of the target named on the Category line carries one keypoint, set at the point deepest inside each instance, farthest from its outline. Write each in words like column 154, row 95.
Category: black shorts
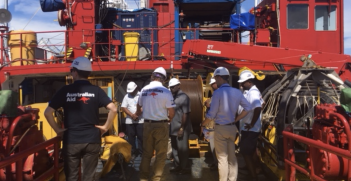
column 248, row 142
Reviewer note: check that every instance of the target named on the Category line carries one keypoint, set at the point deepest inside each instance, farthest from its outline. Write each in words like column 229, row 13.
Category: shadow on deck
column 198, row 166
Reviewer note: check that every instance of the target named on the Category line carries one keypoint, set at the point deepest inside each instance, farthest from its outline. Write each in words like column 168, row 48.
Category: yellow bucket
column 28, row 41
column 131, row 40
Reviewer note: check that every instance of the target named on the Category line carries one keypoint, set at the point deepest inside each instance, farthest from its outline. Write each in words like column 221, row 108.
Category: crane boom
column 261, row 54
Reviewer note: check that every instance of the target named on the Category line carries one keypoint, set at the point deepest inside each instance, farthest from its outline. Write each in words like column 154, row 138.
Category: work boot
column 184, row 172
column 175, row 170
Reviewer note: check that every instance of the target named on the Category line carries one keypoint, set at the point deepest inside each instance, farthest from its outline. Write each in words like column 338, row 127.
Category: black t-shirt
column 81, row 102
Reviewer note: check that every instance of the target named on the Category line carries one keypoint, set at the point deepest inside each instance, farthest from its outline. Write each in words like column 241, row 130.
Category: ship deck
column 198, row 166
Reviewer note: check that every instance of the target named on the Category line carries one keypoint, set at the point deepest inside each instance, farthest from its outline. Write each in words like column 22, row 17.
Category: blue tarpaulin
column 52, row 5
column 242, row 21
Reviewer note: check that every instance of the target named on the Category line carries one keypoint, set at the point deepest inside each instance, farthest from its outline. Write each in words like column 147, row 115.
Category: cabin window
column 325, row 18
column 297, row 16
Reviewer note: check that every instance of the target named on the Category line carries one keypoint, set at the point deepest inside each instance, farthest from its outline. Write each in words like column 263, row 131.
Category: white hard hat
column 160, row 70
column 173, row 82
column 212, row 81
column 245, row 75
column 221, row 71
column 82, row 63
column 131, row 87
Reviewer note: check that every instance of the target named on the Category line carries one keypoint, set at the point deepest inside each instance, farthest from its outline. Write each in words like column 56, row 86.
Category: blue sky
column 23, row 10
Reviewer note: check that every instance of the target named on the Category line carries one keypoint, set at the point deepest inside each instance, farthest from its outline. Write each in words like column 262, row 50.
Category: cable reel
column 194, row 89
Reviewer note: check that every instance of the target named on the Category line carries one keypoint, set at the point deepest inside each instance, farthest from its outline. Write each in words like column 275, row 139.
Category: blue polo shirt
column 225, row 103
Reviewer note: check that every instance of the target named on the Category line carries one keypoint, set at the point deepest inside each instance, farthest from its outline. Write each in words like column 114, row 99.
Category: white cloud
column 27, row 7
column 243, row 10
column 10, row 2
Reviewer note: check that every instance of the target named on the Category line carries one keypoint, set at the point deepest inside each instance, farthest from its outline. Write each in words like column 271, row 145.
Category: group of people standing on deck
column 229, row 106
column 154, row 114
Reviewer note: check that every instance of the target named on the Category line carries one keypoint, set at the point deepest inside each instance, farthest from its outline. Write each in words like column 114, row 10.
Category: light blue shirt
column 225, row 103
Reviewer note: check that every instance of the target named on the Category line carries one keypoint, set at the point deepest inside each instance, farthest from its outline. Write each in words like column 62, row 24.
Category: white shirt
column 130, row 103
column 253, row 96
column 155, row 99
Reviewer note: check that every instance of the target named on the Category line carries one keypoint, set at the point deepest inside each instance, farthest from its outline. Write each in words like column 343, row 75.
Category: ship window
column 297, row 16
column 325, row 18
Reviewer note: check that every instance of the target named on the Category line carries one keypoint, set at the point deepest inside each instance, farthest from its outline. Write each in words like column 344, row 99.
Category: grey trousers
column 180, row 150
column 72, row 155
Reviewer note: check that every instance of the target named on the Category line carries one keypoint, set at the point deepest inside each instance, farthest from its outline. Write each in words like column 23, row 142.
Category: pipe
column 286, row 151
column 20, row 92
column 318, row 95
column 13, row 127
column 4, row 44
column 313, row 143
column 319, row 145
column 341, row 10
column 25, row 153
column 2, row 50
column 336, row 79
column 348, row 83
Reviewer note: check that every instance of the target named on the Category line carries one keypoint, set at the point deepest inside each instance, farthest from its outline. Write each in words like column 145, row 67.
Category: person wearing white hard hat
column 158, row 109
column 245, row 75
column 134, row 124
column 214, row 87
column 160, row 72
column 208, row 131
column 180, row 128
column 224, row 106
column 250, row 125
column 81, row 133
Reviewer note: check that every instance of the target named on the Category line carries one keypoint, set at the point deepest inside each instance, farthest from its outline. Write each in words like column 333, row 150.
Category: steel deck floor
column 198, row 166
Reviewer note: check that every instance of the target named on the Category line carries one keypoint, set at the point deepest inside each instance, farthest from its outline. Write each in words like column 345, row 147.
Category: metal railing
column 289, row 156
column 107, row 48
column 18, row 158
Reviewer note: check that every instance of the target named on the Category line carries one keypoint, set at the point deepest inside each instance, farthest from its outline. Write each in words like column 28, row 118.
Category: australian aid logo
column 84, row 97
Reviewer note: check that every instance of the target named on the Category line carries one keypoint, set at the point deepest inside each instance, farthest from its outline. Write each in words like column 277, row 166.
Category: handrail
column 18, row 159
column 27, row 116
column 21, row 44
column 289, row 137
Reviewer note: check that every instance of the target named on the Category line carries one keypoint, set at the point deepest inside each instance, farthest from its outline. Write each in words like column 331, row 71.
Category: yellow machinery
column 114, row 146
column 22, row 47
column 259, row 75
column 47, row 130
column 116, row 149
column 106, row 83
column 207, row 87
